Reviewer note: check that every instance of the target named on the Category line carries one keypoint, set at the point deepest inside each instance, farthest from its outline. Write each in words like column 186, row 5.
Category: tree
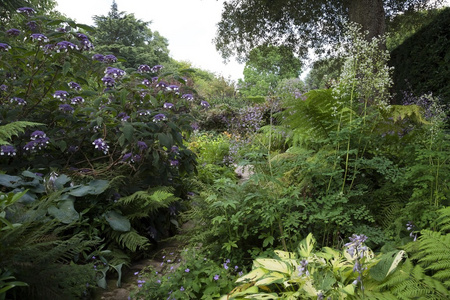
column 265, row 67
column 127, row 37
column 301, row 25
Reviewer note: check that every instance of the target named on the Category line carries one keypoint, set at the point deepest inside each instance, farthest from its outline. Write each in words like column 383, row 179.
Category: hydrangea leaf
column 117, row 221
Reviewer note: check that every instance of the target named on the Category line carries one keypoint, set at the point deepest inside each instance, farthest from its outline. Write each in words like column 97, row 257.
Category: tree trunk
column 370, row 14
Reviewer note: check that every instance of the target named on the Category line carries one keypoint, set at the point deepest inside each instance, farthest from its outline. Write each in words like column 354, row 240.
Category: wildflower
column 7, row 150
column 75, row 86
column 13, row 32
column 98, row 57
column 127, row 156
column 187, row 270
column 61, row 30
column 3, row 87
column 143, row 93
column 156, row 68
column 48, row 48
column 410, row 226
column 146, row 82
column 188, row 97
column 174, row 149
column 302, row 269
column 216, row 277
column 136, row 158
column 76, row 100
column 173, row 88
column 108, row 81
column 84, row 41
column 123, row 116
column 174, row 163
column 182, row 289
column 60, row 95
column 26, row 11
column 162, row 84
column 39, row 37
column 355, row 245
column 36, row 143
column 168, row 105
column 143, row 69
column 144, row 112
column 142, row 145
column 66, row 108
column 101, row 145
column 4, row 47
column 114, row 72
column 64, row 46
column 18, row 100
column 205, row 104
column 32, row 25
column 110, row 58
column 159, row 117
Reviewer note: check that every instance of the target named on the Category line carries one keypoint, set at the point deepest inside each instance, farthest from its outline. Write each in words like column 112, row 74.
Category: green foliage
column 323, row 73
column 7, row 131
column 421, row 61
column 193, row 276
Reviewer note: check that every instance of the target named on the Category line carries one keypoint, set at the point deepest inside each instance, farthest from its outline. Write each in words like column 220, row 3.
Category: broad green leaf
column 128, row 131
column 306, row 246
column 118, row 268
column 66, row 67
column 10, row 181
column 253, row 275
column 349, row 289
column 117, row 221
column 273, row 277
column 285, row 254
column 65, row 212
column 272, row 265
column 271, row 296
column 387, row 264
column 61, row 181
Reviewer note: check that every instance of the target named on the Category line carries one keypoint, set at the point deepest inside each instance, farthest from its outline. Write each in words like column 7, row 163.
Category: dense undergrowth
column 99, row 164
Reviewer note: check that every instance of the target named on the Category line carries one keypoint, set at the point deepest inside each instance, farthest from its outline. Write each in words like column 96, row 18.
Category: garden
column 103, row 158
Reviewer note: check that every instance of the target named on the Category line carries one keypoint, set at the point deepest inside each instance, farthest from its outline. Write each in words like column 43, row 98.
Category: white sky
column 188, row 25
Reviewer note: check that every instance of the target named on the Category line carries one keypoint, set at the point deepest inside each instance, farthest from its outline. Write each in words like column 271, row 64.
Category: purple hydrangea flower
column 77, row 100
column 7, row 150
column 136, row 158
column 108, row 81
column 101, row 145
column 13, row 32
column 144, row 113
column 110, row 58
column 127, row 156
column 142, row 146
column 38, row 140
column 32, row 25
column 4, row 47
column 114, row 72
column 188, row 97
column 62, row 95
column 26, row 11
column 155, row 79
column 48, row 48
column 173, row 88
column 175, row 149
column 156, row 68
column 38, row 134
column 159, row 117
column 3, row 87
column 18, row 100
column 64, row 46
column 98, row 57
column 75, row 86
column 161, row 84
column 174, row 162
column 168, row 105
column 143, row 93
column 39, row 37
column 205, row 104
column 85, row 42
column 61, row 30
column 144, row 69
column 66, row 108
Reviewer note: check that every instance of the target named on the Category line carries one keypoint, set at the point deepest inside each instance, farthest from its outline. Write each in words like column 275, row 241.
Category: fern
column 9, row 130
column 443, row 221
column 131, row 240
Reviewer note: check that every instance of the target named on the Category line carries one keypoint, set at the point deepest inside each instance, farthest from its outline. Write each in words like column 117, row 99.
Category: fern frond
column 412, row 112
column 443, row 221
column 131, row 240
column 9, row 130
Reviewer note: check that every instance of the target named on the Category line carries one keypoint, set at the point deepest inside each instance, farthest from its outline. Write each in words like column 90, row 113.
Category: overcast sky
column 189, row 26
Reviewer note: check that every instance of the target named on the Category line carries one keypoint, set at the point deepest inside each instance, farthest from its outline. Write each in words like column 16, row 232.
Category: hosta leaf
column 273, row 277
column 10, row 181
column 117, row 221
column 272, row 265
column 253, row 275
column 65, row 212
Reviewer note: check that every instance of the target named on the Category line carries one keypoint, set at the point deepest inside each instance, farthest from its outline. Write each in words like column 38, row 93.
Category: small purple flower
column 38, row 134
column 26, row 11
column 110, row 58
column 174, row 149
column 3, row 87
column 182, row 289
column 187, row 270
column 174, row 162
column 81, row 36
column 144, row 112
column 77, row 100
column 66, row 108
column 205, row 104
column 143, row 92
column 146, row 82
column 123, row 116
column 64, row 46
column 168, row 105
column 101, row 145
column 61, row 30
column 36, row 143
column 62, row 95
column 13, row 32
column 159, row 117
column 98, row 57
column 144, row 69
column 32, row 25
column 18, row 100
column 75, row 86
column 39, row 37
column 7, row 150
column 108, row 81
column 142, row 146
column 188, row 97
column 156, row 68
column 173, row 88
column 136, row 273
column 161, row 84
column 127, row 156
column 48, row 48
column 136, row 158
column 114, row 72
column 4, row 47
column 216, row 277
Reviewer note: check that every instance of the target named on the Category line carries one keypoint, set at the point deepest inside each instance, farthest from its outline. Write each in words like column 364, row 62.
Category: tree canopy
column 301, row 25
column 129, row 38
